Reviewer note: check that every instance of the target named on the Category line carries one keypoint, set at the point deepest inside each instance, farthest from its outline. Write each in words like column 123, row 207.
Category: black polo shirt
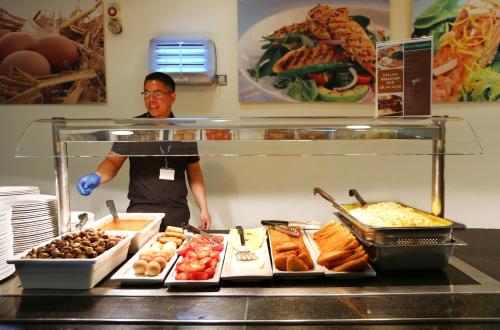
column 146, row 190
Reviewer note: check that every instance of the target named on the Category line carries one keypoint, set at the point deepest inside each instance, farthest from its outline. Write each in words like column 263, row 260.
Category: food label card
column 404, row 77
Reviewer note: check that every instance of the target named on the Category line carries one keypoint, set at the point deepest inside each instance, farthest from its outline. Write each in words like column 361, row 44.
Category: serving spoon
column 111, row 205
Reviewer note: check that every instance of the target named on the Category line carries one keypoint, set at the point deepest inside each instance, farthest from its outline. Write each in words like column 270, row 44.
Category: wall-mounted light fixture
column 188, row 61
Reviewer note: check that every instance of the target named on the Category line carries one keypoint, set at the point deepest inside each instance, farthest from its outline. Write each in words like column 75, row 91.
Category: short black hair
column 163, row 77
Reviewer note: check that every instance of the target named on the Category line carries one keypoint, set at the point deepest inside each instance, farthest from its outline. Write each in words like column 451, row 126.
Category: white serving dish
column 311, row 273
column 126, row 274
column 171, row 281
column 69, row 273
column 139, row 237
column 368, row 272
column 252, row 270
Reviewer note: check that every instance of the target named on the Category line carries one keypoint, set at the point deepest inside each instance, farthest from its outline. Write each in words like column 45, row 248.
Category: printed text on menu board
column 404, row 77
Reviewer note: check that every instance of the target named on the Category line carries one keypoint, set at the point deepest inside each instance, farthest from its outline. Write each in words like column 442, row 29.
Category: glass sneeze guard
column 271, row 136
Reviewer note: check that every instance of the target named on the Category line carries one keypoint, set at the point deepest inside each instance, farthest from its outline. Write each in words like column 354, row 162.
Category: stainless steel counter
column 465, row 293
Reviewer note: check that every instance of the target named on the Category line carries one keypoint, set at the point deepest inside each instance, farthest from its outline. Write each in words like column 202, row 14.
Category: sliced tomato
column 199, row 275
column 218, row 238
column 218, row 247
column 364, row 80
column 195, row 266
column 210, row 271
column 191, row 255
column 215, row 255
column 213, row 262
column 181, row 266
column 321, row 78
column 182, row 252
column 181, row 276
column 203, row 254
column 205, row 260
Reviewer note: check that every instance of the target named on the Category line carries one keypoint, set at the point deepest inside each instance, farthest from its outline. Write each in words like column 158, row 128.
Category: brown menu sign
column 404, row 77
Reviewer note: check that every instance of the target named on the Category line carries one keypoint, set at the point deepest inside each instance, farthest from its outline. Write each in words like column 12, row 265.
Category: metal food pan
column 399, row 235
column 399, row 257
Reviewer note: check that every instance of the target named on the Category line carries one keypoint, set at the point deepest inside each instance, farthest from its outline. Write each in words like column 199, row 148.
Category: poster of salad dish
column 305, row 51
column 466, row 36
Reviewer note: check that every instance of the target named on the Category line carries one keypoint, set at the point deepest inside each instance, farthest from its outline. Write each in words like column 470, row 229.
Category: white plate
column 368, row 272
column 171, row 281
column 7, row 272
column 126, row 273
column 255, row 270
column 249, row 50
column 311, row 273
column 18, row 190
column 30, row 199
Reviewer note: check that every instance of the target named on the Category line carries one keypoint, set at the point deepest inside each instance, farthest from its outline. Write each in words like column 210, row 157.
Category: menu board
column 404, row 77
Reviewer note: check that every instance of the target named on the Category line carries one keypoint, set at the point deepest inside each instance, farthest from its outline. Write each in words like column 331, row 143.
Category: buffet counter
column 465, row 292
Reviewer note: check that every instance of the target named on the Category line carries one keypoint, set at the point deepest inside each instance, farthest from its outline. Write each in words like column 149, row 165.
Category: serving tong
column 111, row 206
column 243, row 253
column 339, row 207
column 281, row 226
column 200, row 232
column 83, row 217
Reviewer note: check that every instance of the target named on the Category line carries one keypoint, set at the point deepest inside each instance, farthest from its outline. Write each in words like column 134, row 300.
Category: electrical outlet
column 221, row 79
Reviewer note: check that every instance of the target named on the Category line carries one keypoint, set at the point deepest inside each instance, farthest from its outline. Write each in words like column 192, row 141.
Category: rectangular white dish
column 139, row 237
column 311, row 273
column 69, row 273
column 254, row 270
column 126, row 274
column 368, row 272
column 171, row 281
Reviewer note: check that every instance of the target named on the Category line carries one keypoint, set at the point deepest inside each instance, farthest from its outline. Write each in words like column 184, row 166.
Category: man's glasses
column 154, row 94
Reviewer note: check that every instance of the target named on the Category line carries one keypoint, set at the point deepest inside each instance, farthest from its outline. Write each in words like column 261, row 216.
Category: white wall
column 245, row 190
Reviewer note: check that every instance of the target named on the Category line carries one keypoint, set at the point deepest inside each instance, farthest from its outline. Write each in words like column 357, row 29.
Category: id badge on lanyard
column 166, row 173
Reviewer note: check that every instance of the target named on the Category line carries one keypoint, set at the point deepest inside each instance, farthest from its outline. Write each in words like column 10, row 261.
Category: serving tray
column 368, row 272
column 126, row 274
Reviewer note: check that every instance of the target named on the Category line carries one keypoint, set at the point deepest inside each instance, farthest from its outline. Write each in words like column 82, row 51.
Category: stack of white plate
column 18, row 190
column 6, row 241
column 34, row 219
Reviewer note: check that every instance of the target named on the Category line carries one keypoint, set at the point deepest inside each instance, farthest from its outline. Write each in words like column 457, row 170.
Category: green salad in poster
column 466, row 35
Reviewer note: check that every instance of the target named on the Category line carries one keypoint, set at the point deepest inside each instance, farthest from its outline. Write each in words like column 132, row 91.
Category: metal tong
column 83, row 217
column 111, row 206
column 281, row 226
column 200, row 232
column 339, row 207
column 244, row 254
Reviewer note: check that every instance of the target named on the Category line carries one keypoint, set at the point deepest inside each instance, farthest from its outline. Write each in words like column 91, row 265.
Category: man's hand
column 205, row 220
column 88, row 183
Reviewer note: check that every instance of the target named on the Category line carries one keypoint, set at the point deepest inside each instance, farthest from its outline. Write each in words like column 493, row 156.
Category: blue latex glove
column 88, row 183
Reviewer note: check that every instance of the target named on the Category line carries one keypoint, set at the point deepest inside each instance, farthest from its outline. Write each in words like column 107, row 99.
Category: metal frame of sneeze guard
column 253, row 136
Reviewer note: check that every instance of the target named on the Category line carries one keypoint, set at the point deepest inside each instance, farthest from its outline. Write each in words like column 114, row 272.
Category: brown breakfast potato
column 353, row 265
column 286, row 247
column 306, row 258
column 294, row 264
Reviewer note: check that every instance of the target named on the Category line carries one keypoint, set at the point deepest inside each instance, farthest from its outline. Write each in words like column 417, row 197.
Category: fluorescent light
column 357, row 126
column 122, row 132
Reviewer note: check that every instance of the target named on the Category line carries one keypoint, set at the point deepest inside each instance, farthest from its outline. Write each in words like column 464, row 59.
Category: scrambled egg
column 389, row 214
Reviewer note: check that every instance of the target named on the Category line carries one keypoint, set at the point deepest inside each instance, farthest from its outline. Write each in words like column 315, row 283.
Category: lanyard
column 162, row 148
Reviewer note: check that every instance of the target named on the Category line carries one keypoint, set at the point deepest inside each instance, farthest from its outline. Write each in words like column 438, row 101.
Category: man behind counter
column 147, row 191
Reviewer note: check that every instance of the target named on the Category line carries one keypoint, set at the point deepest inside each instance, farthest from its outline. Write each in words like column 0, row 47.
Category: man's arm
column 197, row 185
column 110, row 166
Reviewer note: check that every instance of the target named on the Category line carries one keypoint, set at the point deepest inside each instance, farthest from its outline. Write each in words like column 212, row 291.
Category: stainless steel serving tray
column 403, row 236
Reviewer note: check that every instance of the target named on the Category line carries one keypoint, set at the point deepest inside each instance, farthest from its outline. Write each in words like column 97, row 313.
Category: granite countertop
column 463, row 294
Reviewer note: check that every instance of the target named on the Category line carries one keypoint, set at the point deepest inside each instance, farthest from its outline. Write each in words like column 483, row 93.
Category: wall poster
column 52, row 52
column 302, row 51
column 466, row 38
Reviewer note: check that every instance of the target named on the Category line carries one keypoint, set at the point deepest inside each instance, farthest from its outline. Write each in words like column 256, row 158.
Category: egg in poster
column 52, row 52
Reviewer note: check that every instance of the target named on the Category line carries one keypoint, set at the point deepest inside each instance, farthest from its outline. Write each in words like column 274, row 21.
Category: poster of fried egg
column 302, row 51
column 52, row 52
column 466, row 33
